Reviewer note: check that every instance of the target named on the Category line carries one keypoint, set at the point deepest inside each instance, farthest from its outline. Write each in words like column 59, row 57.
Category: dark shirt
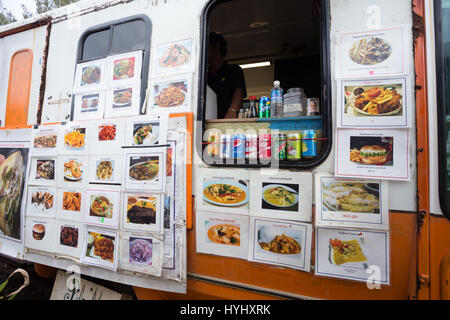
column 224, row 83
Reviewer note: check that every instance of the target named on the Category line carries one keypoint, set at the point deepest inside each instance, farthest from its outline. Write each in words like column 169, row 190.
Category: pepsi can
column 239, row 146
column 226, row 146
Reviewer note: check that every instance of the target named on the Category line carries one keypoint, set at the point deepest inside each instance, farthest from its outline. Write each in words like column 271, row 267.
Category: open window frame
column 145, row 51
column 326, row 100
column 444, row 191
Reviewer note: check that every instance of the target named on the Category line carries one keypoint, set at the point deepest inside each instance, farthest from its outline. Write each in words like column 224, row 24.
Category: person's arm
column 236, row 104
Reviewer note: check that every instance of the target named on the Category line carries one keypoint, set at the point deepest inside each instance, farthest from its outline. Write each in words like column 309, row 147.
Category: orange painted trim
column 423, row 180
column 19, row 86
column 189, row 149
column 445, row 278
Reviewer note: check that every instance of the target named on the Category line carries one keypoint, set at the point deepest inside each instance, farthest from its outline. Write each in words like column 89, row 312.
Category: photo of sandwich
column 372, row 150
column 38, row 231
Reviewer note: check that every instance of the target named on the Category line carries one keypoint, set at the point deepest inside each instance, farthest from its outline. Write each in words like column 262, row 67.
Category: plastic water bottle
column 276, row 96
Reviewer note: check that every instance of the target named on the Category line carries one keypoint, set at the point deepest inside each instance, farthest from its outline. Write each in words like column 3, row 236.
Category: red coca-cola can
column 265, row 146
column 251, row 146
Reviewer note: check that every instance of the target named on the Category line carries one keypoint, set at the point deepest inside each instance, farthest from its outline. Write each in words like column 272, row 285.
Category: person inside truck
column 226, row 80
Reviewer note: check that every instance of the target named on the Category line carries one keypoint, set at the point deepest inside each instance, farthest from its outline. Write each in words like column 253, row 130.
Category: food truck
column 116, row 163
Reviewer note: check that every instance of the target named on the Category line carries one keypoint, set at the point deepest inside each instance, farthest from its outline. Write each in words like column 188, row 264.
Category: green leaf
column 3, row 285
column 12, row 297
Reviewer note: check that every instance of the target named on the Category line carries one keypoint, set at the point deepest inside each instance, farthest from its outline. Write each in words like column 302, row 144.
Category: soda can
column 239, row 146
column 251, row 146
column 226, row 146
column 313, row 107
column 213, row 144
column 294, row 146
column 279, row 146
column 309, row 145
column 265, row 146
column 264, row 107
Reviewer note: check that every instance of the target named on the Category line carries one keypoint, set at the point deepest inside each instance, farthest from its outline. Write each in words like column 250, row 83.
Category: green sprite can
column 280, row 146
column 294, row 146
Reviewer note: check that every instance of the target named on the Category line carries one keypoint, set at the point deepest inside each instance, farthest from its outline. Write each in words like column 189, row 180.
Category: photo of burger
column 372, row 150
column 38, row 231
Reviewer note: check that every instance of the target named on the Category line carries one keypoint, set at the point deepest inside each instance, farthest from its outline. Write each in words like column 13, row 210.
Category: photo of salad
column 124, row 68
column 140, row 251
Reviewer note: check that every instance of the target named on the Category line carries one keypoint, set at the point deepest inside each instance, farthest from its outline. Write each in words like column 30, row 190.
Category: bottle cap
column 253, row 98
column 276, row 83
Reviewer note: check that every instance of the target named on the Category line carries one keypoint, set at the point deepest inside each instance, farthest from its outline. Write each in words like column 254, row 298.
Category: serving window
column 121, row 37
column 267, row 41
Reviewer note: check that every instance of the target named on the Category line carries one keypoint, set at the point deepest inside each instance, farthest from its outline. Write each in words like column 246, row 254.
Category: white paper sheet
column 72, row 171
column 348, row 202
column 41, row 202
column 356, row 150
column 266, row 235
column 170, row 95
column 175, row 56
column 281, row 195
column 370, row 260
column 69, row 238
column 100, row 248
column 143, row 212
column 105, row 169
column 222, row 234
column 44, row 140
column 90, row 76
column 146, row 130
column 102, row 207
column 43, row 171
column 124, row 68
column 40, row 233
column 70, row 203
column 123, row 101
column 107, row 136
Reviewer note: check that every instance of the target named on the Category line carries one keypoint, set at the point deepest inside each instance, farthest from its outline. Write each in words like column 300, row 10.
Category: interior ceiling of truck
column 257, row 29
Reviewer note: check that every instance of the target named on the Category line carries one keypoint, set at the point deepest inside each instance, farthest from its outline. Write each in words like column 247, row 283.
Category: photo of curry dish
column 280, row 196
column 225, row 234
column 145, row 171
column 378, row 102
column 100, row 207
column 350, row 197
column 282, row 245
column 90, row 75
column 370, row 51
column 342, row 252
column 224, row 194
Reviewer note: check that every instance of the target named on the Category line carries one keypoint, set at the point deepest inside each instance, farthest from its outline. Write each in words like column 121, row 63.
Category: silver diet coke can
column 226, row 146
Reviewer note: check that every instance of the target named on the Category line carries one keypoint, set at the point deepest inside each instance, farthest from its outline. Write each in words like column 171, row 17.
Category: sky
column 15, row 7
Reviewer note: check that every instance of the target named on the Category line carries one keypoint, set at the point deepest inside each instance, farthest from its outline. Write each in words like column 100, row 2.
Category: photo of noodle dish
column 374, row 100
column 170, row 95
column 280, row 196
column 226, row 193
column 358, row 197
column 144, row 169
column 370, row 51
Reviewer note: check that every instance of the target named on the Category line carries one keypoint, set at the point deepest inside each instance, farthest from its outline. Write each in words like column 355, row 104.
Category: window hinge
column 420, row 218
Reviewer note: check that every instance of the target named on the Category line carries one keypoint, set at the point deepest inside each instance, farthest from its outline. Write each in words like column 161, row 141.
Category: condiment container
column 295, row 103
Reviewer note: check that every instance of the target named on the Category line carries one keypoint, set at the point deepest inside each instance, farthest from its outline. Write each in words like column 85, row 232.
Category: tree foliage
column 47, row 5
column 5, row 15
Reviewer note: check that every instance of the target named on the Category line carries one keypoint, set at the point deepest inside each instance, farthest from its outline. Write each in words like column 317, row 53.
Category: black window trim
column 326, row 101
column 441, row 114
column 146, row 51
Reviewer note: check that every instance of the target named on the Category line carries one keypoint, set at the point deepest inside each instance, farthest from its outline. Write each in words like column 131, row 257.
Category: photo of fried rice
column 171, row 96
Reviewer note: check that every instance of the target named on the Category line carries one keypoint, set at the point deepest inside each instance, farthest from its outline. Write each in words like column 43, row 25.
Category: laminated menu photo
column 39, row 233
column 89, row 105
column 73, row 171
column 141, row 252
column 376, row 103
column 102, row 207
column 143, row 212
column 70, row 204
column 107, row 136
column 222, row 234
column 222, row 190
column 41, row 201
column 281, row 195
column 69, row 238
column 100, row 248
column 74, row 138
column 105, row 169
column 145, row 169
column 369, row 53
column 353, row 254
column 124, row 68
column 44, row 140
column 351, row 202
column 147, row 131
column 123, row 101
column 373, row 153
column 43, row 171
column 279, row 242
column 90, row 76
column 175, row 56
column 171, row 95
